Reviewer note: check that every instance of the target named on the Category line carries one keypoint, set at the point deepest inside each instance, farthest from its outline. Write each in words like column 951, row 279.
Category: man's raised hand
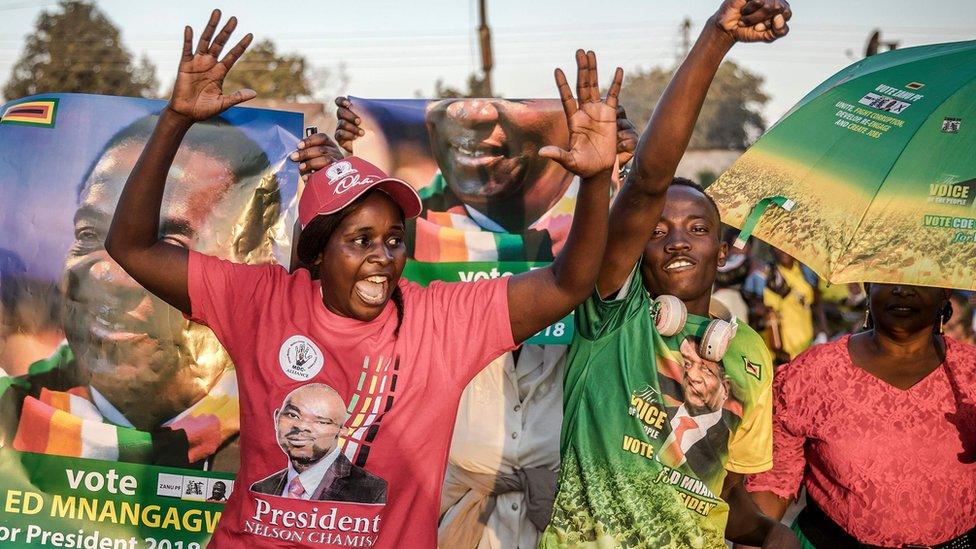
column 592, row 121
column 314, row 153
column 626, row 137
column 348, row 126
column 198, row 91
column 754, row 20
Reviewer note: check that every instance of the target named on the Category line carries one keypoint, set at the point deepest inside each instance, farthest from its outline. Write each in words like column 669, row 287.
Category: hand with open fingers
column 754, row 20
column 592, row 121
column 347, row 129
column 626, row 137
column 198, row 91
column 314, row 153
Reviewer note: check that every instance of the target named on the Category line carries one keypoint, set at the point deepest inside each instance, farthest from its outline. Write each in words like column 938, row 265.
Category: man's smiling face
column 309, row 424
column 488, row 153
column 683, row 254
column 122, row 335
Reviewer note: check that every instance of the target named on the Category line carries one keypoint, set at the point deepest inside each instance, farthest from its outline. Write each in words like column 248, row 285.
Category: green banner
column 559, row 333
column 59, row 501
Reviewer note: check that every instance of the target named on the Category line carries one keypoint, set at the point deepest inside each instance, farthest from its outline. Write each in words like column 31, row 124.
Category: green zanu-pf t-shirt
column 650, row 429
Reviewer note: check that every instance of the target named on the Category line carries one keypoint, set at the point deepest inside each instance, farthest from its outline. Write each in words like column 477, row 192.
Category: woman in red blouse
column 880, row 427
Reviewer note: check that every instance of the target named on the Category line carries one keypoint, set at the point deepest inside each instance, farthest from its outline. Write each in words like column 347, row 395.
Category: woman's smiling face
column 364, row 258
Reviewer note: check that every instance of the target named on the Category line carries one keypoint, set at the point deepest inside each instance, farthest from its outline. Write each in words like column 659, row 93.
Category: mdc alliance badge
column 300, row 359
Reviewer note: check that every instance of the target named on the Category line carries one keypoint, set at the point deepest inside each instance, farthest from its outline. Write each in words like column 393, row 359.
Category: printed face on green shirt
column 703, row 382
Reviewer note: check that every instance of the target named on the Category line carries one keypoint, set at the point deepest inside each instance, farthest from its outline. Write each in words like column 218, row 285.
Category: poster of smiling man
column 103, row 382
column 492, row 205
column 117, row 414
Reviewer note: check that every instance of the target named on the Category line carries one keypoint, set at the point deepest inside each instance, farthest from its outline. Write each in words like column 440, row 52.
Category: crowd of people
column 794, row 309
column 705, row 388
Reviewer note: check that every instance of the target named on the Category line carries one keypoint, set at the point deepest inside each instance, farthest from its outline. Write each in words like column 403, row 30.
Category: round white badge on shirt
column 300, row 359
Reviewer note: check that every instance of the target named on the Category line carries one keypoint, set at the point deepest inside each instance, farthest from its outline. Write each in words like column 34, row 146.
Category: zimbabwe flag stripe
column 39, row 112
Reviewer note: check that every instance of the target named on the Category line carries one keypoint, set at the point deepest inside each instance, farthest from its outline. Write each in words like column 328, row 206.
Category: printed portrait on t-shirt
column 698, row 415
column 308, row 427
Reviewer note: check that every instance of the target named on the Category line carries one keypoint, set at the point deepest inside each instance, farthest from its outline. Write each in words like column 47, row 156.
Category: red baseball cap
column 336, row 186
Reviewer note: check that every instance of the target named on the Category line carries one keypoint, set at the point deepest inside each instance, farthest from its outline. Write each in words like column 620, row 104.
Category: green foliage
column 477, row 87
column 78, row 49
column 731, row 117
column 706, row 177
column 273, row 76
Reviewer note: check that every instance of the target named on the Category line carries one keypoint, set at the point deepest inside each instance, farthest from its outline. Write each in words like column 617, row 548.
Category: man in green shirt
column 656, row 438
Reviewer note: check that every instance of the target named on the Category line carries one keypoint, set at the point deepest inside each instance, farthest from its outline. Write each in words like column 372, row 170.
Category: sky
column 398, row 49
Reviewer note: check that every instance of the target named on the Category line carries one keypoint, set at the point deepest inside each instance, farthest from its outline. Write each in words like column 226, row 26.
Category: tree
column 78, row 50
column 731, row 117
column 476, row 88
column 273, row 76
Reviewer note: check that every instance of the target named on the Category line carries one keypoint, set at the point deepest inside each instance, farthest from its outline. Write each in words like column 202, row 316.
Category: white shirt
column 311, row 477
column 108, row 410
column 483, row 221
column 510, row 417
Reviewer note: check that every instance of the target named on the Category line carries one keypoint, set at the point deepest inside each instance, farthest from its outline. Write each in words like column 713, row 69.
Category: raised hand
column 347, row 129
column 754, row 20
column 592, row 122
column 314, row 153
column 198, row 91
column 626, row 137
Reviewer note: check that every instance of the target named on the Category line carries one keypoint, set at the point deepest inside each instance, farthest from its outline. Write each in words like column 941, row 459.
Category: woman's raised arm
column 133, row 239
column 540, row 297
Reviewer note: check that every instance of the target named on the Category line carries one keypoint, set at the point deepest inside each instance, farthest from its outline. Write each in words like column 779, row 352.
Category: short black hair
column 685, row 182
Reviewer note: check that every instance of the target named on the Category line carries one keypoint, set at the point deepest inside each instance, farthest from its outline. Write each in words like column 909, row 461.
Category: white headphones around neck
column 670, row 315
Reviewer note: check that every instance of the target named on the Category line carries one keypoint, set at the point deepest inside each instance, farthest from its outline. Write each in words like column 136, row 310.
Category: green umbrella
column 872, row 176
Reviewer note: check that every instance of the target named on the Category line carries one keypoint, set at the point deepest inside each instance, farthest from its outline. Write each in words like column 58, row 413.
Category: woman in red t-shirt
column 349, row 381
column 880, row 427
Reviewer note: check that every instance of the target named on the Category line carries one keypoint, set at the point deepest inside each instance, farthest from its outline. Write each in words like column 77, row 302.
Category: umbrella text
column 949, row 222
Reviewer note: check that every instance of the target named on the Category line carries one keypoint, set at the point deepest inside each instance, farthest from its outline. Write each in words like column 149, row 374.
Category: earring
column 867, row 319
column 941, row 325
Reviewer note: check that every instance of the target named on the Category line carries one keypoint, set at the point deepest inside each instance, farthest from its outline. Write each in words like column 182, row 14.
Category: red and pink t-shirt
column 891, row 466
column 401, row 393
